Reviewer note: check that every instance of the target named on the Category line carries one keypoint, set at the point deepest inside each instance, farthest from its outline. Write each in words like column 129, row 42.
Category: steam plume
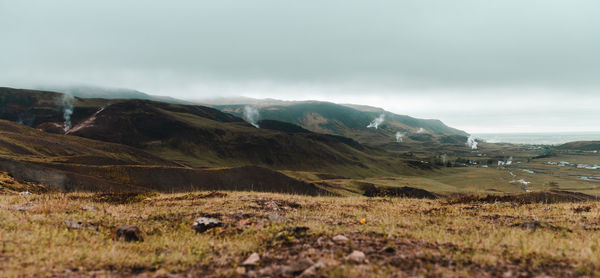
column 509, row 161
column 399, row 136
column 375, row 123
column 67, row 104
column 421, row 130
column 472, row 143
column 251, row 115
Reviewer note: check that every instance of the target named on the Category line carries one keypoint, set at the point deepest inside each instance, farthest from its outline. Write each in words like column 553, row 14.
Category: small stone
column 322, row 241
column 296, row 267
column 128, row 233
column 276, row 218
column 73, row 224
column 508, row 274
column 313, row 270
column 87, row 208
column 340, row 239
column 204, row 224
column 272, row 205
column 147, row 199
column 24, row 193
column 253, row 260
column 240, row 270
column 534, row 225
column 356, row 256
column 329, row 262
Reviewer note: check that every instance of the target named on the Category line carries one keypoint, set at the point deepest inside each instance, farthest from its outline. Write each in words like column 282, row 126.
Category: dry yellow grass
column 406, row 237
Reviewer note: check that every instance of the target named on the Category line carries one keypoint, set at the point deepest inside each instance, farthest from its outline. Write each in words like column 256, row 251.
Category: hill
column 198, row 136
column 581, row 145
column 366, row 125
column 71, row 163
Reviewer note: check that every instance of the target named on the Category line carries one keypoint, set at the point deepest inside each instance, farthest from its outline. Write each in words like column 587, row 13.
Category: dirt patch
column 276, row 205
column 404, row 192
column 288, row 254
column 546, row 197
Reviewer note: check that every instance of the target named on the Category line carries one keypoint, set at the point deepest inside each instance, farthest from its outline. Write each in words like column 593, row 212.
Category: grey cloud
column 290, row 49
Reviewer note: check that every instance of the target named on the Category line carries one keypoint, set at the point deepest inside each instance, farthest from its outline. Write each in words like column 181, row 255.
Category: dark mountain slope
column 71, row 163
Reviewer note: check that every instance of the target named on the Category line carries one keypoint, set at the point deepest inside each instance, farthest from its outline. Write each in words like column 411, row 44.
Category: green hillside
column 342, row 120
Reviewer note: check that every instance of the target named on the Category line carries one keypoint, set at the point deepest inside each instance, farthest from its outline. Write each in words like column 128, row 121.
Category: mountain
column 85, row 91
column 351, row 121
column 198, row 136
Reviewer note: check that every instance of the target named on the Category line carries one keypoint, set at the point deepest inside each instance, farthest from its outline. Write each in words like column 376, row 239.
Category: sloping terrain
column 348, row 121
column 294, row 236
column 71, row 163
column 198, row 136
column 25, row 143
column 581, row 145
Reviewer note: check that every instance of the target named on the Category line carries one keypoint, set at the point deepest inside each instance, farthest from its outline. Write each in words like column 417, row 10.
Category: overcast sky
column 482, row 66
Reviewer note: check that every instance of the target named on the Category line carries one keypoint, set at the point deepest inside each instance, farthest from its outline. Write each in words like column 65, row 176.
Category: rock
column 328, row 262
column 534, row 225
column 276, row 218
column 340, row 239
column 253, row 260
column 204, row 224
column 147, row 200
column 128, row 233
column 322, row 241
column 73, row 224
column 356, row 257
column 24, row 193
column 299, row 266
column 272, row 205
column 531, row 225
column 240, row 225
column 508, row 274
column 87, row 208
column 313, row 270
column 240, row 270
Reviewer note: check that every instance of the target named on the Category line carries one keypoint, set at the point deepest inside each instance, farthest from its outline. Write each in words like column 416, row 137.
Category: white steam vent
column 67, row 105
column 472, row 143
column 400, row 136
column 251, row 115
column 378, row 121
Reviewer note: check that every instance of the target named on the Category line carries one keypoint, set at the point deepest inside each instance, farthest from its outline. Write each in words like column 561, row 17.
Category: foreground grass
column 406, row 237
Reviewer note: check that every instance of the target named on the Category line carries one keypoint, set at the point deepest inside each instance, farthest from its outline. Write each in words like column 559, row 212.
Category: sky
column 481, row 66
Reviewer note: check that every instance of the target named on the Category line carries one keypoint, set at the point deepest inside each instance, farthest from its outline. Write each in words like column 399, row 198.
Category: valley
column 120, row 187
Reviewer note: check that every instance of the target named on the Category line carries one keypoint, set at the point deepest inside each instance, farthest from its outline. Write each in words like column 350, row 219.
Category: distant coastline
column 550, row 138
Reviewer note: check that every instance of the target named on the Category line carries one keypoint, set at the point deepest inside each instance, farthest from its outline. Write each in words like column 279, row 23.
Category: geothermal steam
column 421, row 130
column 251, row 115
column 375, row 123
column 67, row 104
column 472, row 143
column 399, row 136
